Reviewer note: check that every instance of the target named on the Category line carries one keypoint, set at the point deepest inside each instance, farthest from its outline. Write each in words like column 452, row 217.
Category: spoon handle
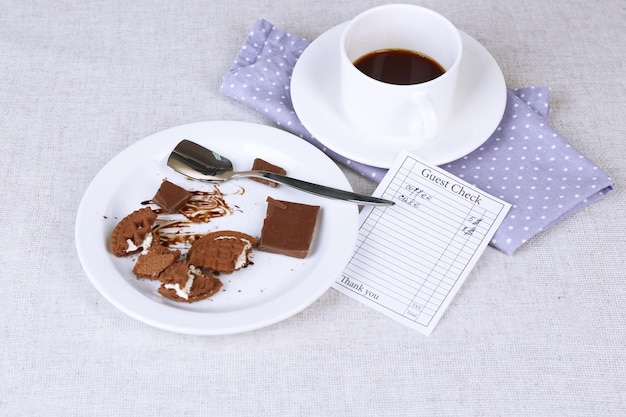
column 317, row 189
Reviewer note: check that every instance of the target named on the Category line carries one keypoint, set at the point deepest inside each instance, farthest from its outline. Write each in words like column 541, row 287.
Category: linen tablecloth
column 539, row 333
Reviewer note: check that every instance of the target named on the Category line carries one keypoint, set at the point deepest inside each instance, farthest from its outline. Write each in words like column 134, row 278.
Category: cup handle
column 425, row 123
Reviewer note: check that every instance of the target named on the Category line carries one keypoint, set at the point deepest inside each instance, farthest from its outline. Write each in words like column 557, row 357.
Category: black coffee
column 399, row 66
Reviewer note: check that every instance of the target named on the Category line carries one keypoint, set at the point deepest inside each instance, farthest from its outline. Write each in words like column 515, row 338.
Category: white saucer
column 480, row 103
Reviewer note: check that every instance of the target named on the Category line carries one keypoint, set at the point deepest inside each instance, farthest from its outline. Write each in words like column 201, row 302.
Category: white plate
column 275, row 287
column 478, row 108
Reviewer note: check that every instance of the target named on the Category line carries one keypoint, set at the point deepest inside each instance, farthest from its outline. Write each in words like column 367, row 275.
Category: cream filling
column 186, row 290
column 242, row 258
column 147, row 241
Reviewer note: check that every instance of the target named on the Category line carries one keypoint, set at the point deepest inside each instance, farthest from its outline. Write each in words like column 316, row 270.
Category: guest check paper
column 412, row 258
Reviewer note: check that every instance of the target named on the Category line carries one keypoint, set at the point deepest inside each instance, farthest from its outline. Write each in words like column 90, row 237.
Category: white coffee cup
column 402, row 115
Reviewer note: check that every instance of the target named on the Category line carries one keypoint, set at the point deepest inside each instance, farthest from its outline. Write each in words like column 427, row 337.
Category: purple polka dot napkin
column 525, row 162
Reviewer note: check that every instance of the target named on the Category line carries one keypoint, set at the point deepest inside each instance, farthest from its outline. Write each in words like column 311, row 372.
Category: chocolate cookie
column 133, row 233
column 185, row 282
column 224, row 251
column 156, row 260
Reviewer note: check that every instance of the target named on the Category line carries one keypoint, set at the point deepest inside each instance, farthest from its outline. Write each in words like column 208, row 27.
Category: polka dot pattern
column 525, row 162
column 528, row 164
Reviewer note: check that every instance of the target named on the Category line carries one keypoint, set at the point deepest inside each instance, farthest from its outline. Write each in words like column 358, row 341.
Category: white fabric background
column 537, row 333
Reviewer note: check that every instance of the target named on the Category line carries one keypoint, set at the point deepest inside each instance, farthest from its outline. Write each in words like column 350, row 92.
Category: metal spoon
column 200, row 163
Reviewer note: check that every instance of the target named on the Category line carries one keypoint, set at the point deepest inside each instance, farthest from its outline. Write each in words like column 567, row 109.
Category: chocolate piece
column 184, row 282
column 133, row 233
column 223, row 251
column 262, row 165
column 288, row 228
column 170, row 197
column 156, row 260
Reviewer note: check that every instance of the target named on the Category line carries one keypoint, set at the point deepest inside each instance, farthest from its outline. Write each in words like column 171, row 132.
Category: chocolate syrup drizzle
column 202, row 207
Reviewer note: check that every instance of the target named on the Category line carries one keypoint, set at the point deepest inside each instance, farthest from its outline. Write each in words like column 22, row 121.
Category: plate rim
column 237, row 323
